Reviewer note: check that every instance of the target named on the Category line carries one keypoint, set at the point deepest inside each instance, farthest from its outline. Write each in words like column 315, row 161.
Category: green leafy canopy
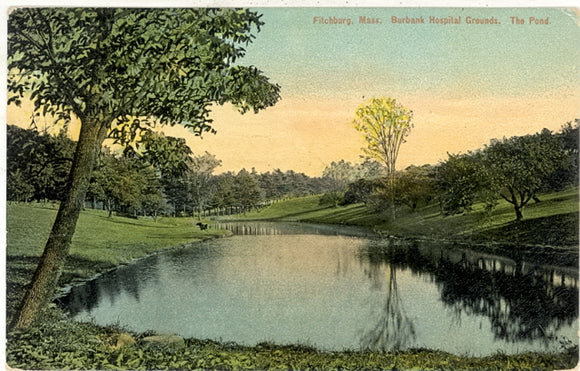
column 120, row 71
column 135, row 66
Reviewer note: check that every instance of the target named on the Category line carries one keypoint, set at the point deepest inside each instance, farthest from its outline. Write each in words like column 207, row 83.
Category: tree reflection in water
column 524, row 302
column 521, row 305
column 517, row 301
column 126, row 279
column 394, row 329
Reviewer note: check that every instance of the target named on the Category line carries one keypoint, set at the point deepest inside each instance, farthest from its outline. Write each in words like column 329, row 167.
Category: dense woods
column 142, row 183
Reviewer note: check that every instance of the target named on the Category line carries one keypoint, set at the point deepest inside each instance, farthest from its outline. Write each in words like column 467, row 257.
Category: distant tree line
column 160, row 176
column 514, row 169
column 163, row 177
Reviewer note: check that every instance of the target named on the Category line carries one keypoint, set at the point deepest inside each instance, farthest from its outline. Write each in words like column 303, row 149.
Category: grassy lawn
column 286, row 210
column 98, row 237
column 547, row 234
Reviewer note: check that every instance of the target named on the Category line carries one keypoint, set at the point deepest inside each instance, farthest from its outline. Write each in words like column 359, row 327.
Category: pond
column 336, row 288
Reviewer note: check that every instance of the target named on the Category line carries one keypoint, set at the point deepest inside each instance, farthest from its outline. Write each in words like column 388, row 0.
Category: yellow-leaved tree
column 385, row 123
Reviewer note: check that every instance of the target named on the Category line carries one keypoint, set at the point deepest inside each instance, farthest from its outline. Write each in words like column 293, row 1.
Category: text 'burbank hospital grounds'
column 450, row 20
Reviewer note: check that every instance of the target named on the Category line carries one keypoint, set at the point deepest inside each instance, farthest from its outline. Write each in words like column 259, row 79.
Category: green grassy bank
column 550, row 225
column 101, row 243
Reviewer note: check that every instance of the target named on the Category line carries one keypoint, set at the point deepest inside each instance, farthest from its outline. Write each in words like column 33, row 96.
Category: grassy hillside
column 551, row 222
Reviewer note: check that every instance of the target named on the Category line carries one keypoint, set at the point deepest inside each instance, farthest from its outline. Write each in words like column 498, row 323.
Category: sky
column 466, row 83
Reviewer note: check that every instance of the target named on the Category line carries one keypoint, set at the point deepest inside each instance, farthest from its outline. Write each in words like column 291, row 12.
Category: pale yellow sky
column 306, row 135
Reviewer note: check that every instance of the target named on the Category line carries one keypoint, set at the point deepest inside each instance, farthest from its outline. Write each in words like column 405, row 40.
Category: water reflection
column 125, row 280
column 297, row 282
column 524, row 302
column 394, row 329
column 274, row 228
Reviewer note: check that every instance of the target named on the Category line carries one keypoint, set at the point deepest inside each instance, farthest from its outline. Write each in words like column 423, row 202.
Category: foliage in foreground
column 119, row 72
column 63, row 344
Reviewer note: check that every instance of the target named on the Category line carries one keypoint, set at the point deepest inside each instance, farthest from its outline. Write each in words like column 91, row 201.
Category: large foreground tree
column 119, row 71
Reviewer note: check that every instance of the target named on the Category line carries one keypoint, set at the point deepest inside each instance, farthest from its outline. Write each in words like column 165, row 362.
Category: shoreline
column 65, row 289
column 537, row 253
column 464, row 361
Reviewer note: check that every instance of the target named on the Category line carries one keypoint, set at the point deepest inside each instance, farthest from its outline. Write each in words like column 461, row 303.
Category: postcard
column 267, row 187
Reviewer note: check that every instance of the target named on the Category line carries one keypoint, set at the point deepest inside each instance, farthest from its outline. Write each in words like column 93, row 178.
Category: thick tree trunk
column 47, row 273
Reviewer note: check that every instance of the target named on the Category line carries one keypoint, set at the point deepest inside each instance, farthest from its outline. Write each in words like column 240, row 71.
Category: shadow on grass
column 76, row 262
column 22, row 260
column 129, row 221
column 19, row 272
column 347, row 215
column 554, row 230
column 79, row 268
column 297, row 214
column 546, row 240
column 564, row 198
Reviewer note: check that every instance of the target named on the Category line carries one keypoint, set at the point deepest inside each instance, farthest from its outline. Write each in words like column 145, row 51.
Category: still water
column 335, row 288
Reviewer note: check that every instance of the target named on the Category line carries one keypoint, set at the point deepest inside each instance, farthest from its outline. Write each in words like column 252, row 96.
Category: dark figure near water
column 201, row 226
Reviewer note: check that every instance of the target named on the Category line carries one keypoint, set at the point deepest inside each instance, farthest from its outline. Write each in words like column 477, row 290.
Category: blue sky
column 458, row 60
